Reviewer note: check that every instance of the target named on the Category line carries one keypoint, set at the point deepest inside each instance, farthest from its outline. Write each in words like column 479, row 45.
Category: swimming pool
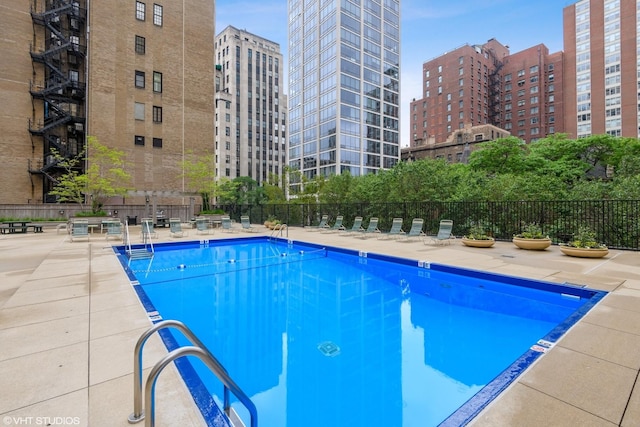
column 325, row 336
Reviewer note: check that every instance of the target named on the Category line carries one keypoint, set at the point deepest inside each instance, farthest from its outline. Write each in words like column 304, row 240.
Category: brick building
column 141, row 83
column 519, row 94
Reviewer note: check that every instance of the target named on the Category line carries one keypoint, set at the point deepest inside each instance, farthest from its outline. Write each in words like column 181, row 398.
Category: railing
column 615, row 222
column 199, row 350
column 278, row 229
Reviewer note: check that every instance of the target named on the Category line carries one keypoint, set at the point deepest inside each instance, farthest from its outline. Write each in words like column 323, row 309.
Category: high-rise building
column 142, row 83
column 602, row 68
column 460, row 87
column 481, row 85
column 344, row 87
column 251, row 109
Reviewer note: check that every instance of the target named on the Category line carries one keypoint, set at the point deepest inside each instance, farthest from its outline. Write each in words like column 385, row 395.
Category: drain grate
column 329, row 349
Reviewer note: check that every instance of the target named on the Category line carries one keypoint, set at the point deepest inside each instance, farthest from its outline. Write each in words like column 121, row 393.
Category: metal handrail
column 199, row 350
column 277, row 229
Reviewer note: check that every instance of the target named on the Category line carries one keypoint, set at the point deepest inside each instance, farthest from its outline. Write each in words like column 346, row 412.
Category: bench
column 6, row 228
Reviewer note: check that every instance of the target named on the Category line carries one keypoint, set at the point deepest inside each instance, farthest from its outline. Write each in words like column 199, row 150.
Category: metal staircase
column 57, row 90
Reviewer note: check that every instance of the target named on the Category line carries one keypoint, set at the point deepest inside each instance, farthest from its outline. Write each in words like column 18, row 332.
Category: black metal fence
column 615, row 222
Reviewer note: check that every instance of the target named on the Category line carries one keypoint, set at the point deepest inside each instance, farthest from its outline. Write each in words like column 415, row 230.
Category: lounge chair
column 416, row 229
column 246, row 225
column 372, row 228
column 337, row 226
column 321, row 226
column 444, row 235
column 80, row 229
column 357, row 226
column 202, row 226
column 175, row 228
column 147, row 230
column 396, row 230
column 227, row 227
column 114, row 229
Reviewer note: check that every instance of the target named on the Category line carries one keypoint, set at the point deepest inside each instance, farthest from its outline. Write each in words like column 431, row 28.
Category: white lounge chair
column 175, row 228
column 396, row 230
column 80, row 229
column 444, row 235
column 246, row 225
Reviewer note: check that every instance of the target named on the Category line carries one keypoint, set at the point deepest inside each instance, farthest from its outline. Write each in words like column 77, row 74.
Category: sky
column 429, row 28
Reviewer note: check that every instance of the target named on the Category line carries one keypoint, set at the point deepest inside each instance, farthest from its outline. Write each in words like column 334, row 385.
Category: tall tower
column 601, row 68
column 251, row 108
column 137, row 75
column 344, row 87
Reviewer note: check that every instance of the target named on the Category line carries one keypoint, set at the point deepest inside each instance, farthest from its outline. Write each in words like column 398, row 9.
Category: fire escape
column 495, row 91
column 57, row 88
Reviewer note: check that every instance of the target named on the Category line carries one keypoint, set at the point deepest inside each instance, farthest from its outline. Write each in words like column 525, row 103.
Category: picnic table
column 19, row 227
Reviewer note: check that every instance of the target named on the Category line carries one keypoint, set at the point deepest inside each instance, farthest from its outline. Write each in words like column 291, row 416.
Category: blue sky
column 429, row 29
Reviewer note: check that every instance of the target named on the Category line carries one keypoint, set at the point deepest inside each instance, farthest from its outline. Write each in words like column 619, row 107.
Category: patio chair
column 356, row 227
column 246, row 225
column 321, row 226
column 416, row 229
column 372, row 228
column 444, row 235
column 227, row 226
column 80, row 229
column 114, row 229
column 396, row 230
column 175, row 228
column 147, row 230
column 202, row 226
column 337, row 226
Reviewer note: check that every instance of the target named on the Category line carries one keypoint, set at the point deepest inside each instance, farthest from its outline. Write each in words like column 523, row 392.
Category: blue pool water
column 323, row 336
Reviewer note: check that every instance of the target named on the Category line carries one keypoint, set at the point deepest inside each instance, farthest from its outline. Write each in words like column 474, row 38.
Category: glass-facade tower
column 344, row 87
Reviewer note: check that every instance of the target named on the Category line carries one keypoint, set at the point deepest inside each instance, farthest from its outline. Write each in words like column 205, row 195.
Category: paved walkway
column 69, row 320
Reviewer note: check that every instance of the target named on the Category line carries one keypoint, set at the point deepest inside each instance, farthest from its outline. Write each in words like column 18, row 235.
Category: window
column 138, row 140
column 138, row 111
column 157, row 15
column 157, row 82
column 157, row 114
column 140, row 8
column 157, row 142
column 140, row 79
column 140, row 45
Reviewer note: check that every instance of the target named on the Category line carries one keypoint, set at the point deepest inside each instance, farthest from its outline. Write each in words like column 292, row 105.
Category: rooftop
column 69, row 320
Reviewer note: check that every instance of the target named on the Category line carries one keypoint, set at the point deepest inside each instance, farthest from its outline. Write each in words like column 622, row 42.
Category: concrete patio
column 69, row 320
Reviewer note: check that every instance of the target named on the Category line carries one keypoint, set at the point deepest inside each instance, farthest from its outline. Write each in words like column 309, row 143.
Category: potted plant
column 271, row 222
column 532, row 238
column 477, row 237
column 585, row 245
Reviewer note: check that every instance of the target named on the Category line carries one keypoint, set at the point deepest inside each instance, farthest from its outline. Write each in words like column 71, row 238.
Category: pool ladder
column 278, row 229
column 199, row 350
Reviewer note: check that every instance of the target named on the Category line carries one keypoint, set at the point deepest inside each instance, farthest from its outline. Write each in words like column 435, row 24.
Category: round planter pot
column 532, row 244
column 584, row 252
column 478, row 243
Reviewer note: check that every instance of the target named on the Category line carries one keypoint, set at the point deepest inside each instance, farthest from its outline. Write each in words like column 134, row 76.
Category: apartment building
column 476, row 85
column 140, row 81
column 602, row 68
column 251, row 113
column 344, row 87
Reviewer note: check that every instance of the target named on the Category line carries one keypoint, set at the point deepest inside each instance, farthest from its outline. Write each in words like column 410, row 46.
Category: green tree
column 503, row 155
column 104, row 177
column 199, row 175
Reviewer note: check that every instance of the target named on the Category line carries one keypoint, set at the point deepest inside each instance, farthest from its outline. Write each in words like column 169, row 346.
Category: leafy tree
column 105, row 176
column 272, row 191
column 503, row 155
column 199, row 173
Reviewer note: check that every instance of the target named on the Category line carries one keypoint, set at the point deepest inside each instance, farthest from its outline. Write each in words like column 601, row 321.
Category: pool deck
column 69, row 320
